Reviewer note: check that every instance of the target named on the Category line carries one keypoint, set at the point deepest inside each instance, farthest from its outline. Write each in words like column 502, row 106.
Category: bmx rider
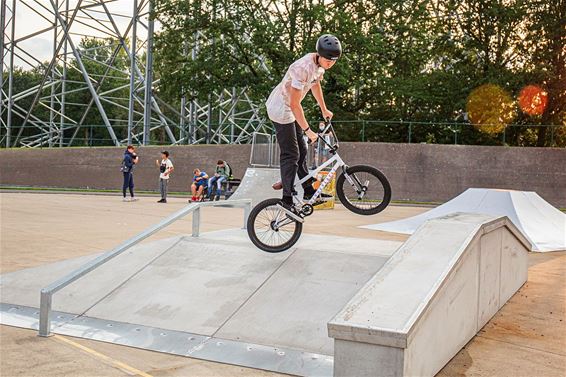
column 286, row 113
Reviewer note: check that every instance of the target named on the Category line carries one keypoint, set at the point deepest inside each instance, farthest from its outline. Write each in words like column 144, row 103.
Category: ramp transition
column 542, row 224
column 256, row 185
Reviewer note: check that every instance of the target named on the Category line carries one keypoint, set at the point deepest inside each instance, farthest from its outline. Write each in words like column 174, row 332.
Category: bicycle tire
column 352, row 170
column 251, row 228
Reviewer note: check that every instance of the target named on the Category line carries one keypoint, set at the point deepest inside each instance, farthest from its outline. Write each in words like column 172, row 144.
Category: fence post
column 363, row 130
column 410, row 131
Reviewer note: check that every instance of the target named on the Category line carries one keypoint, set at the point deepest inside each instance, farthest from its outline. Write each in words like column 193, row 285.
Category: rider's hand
column 327, row 114
column 311, row 135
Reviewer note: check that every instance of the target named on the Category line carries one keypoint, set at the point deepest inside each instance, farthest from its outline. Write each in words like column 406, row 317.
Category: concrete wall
column 434, row 294
column 99, row 168
column 417, row 171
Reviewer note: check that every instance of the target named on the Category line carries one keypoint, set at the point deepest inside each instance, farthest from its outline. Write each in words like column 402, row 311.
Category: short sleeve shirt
column 201, row 175
column 168, row 166
column 302, row 75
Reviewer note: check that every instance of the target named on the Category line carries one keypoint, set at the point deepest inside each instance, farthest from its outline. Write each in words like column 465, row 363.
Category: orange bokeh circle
column 533, row 100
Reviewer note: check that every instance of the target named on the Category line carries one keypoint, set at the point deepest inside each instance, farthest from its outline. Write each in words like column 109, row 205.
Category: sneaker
column 134, row 199
column 162, row 201
column 126, row 200
column 277, row 185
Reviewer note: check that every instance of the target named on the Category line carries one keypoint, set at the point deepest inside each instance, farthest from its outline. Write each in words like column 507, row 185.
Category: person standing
column 128, row 163
column 165, row 169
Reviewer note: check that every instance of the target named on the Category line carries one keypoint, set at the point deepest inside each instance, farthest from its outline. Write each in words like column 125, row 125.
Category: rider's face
column 326, row 63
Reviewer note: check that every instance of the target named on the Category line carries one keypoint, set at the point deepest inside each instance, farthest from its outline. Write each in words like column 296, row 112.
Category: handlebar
column 323, row 132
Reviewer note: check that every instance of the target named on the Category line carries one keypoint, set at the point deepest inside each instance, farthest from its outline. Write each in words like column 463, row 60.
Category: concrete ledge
column 434, row 294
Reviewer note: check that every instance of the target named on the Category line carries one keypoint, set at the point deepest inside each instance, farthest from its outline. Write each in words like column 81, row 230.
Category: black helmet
column 329, row 47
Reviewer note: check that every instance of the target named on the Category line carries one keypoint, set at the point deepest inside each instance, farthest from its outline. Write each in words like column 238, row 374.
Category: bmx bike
column 362, row 189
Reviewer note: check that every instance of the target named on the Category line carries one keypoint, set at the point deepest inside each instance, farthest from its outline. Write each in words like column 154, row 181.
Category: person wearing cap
column 286, row 113
column 165, row 169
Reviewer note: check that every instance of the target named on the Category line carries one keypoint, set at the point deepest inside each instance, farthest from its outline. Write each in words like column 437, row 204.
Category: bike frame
column 336, row 163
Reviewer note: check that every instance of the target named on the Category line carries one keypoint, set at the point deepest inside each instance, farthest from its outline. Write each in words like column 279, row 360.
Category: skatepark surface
column 527, row 335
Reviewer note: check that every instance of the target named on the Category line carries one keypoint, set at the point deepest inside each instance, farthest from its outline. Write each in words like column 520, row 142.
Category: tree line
column 404, row 61
column 419, row 69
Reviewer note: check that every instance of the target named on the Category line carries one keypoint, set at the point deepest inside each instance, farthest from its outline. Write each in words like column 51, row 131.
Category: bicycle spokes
column 364, row 190
column 273, row 227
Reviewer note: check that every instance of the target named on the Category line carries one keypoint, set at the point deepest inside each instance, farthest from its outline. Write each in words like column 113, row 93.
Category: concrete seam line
column 519, row 345
column 254, row 292
column 134, row 275
column 106, row 359
column 123, row 283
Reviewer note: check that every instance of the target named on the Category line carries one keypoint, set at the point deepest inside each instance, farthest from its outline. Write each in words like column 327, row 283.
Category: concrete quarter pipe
column 542, row 224
column 256, row 185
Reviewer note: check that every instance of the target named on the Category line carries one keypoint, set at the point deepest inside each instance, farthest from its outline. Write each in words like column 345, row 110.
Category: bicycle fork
column 360, row 188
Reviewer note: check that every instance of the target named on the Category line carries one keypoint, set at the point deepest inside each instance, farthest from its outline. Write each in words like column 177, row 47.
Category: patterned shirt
column 302, row 75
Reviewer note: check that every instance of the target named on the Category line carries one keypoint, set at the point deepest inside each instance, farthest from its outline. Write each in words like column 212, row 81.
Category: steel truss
column 229, row 116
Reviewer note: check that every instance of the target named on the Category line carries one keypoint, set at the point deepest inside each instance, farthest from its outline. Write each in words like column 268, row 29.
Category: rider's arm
column 317, row 93
column 295, row 105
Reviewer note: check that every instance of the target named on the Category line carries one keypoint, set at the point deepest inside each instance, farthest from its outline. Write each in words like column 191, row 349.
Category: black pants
column 293, row 156
column 128, row 183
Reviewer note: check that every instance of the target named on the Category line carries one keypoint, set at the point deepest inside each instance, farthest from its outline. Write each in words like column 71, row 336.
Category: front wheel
column 363, row 190
column 270, row 229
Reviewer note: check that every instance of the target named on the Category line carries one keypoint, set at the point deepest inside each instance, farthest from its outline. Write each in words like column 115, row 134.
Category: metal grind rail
column 47, row 292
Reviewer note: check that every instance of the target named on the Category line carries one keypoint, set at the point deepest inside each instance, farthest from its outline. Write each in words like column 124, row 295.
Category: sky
column 29, row 20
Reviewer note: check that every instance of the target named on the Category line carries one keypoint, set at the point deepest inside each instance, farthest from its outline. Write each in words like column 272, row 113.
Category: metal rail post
column 196, row 222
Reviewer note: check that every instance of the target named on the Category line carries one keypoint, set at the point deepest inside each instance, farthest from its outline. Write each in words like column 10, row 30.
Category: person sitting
column 200, row 179
column 221, row 175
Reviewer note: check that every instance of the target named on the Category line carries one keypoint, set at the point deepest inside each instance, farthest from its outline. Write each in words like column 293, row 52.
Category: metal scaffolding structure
column 96, row 43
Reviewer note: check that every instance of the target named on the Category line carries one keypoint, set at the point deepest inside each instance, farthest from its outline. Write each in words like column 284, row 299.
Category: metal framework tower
column 92, row 89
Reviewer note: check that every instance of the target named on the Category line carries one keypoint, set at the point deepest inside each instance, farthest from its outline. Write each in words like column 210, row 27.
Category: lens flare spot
column 533, row 100
column 490, row 108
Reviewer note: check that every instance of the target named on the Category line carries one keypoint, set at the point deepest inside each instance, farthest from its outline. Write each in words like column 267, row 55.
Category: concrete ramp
column 215, row 297
column 434, row 294
column 542, row 224
column 256, row 185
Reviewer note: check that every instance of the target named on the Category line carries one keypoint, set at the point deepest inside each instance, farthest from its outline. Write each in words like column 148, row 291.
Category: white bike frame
column 336, row 163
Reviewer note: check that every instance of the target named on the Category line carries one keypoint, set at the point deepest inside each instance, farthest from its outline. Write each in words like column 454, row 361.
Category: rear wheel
column 363, row 190
column 270, row 229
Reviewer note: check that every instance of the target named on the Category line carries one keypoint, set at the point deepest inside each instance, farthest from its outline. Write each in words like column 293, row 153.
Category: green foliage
column 412, row 65
column 415, row 60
